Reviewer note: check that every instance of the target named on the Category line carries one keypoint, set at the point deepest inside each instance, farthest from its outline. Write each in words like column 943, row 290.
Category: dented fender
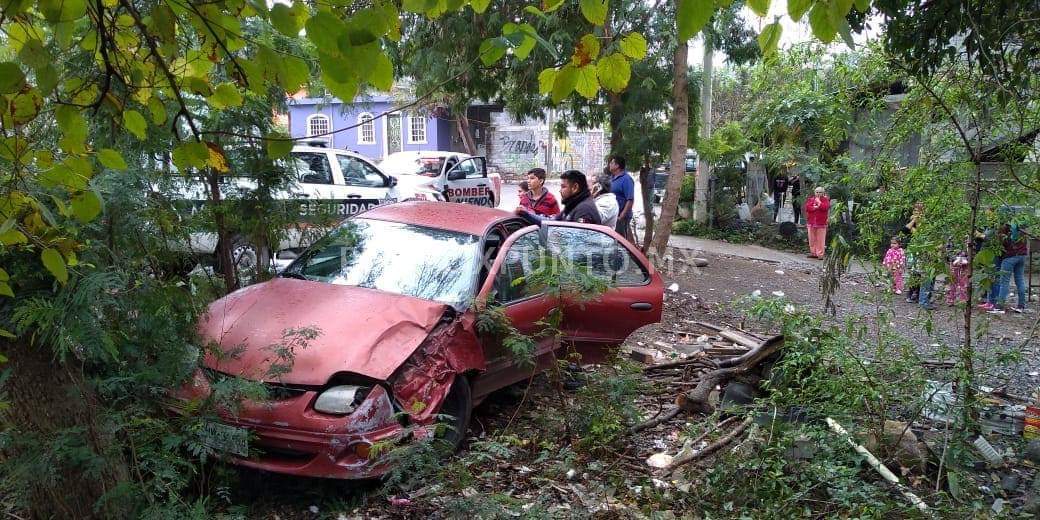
column 422, row 382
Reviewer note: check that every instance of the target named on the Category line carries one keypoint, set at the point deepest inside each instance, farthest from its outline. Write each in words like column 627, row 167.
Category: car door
column 363, row 185
column 523, row 305
column 467, row 182
column 634, row 294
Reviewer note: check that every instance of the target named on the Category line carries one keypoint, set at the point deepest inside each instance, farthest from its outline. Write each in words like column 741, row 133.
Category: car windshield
column 430, row 166
column 406, row 259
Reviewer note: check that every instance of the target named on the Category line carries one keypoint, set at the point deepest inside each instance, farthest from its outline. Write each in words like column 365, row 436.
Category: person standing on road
column 624, row 189
column 779, row 195
column 795, row 183
column 1012, row 262
column 538, row 200
column 578, row 205
column 817, row 209
column 606, row 202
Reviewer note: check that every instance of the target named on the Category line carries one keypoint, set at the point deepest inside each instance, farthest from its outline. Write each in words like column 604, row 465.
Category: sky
column 793, row 33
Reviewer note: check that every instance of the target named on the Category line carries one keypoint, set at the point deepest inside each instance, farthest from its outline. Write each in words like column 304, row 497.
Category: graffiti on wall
column 516, row 151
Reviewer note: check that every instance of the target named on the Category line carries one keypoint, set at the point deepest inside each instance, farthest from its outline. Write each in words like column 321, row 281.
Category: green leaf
column 225, row 95
column 491, row 50
column 5, row 290
column 692, row 15
column 862, row 5
column 838, row 9
column 565, row 81
column 278, row 145
column 111, row 159
column 587, row 85
column 157, row 110
column 769, row 38
column 135, row 123
column 614, row 71
column 594, row 11
column 820, row 21
column 190, row 154
column 324, row 30
column 6, row 334
column 86, row 206
column 12, row 237
column 760, row 7
column 3, row 275
column 479, row 6
column 289, row 20
column 54, row 263
column 549, row 6
column 522, row 38
column 633, row 45
column 846, row 33
column 382, row 75
column 797, row 8
column 73, row 128
column 536, row 11
column 546, row 80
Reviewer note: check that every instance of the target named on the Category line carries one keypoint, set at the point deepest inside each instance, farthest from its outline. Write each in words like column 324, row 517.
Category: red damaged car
column 389, row 295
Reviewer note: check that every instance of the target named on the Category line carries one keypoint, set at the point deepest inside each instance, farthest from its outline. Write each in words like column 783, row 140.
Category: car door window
column 359, row 173
column 312, row 167
column 472, row 168
column 520, row 260
column 598, row 253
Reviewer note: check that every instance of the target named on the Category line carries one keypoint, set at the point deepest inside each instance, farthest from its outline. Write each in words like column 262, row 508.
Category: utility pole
column 700, row 198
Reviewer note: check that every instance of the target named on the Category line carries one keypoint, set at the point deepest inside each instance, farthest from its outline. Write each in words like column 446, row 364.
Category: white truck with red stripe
column 457, row 176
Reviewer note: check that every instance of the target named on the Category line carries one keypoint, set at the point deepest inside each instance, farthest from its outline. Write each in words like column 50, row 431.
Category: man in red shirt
column 538, row 200
column 817, row 209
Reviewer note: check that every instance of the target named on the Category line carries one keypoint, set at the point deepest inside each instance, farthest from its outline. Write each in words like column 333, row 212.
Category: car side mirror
column 391, row 181
column 456, row 174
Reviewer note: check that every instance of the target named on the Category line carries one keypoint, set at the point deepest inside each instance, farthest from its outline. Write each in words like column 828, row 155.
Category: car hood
column 358, row 330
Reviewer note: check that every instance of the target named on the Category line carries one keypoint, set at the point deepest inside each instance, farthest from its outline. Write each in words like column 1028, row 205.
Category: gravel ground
column 935, row 334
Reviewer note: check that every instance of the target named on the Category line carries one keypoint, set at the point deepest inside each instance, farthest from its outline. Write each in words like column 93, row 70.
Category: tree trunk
column 224, row 258
column 646, row 184
column 680, row 122
column 50, row 404
column 615, row 122
column 700, row 199
column 462, row 125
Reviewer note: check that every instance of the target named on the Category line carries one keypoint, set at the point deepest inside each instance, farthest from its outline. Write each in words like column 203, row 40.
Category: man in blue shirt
column 624, row 188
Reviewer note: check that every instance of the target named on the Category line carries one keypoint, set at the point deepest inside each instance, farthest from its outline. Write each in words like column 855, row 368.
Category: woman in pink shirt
column 817, row 208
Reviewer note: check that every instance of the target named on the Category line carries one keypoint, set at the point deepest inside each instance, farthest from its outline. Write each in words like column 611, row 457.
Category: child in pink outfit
column 895, row 262
column 958, row 288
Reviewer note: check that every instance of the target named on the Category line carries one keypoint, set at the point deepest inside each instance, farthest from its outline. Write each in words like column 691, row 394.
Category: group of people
column 908, row 274
column 608, row 201
column 782, row 183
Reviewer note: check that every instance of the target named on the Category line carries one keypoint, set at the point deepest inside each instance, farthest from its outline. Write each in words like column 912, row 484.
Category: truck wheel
column 456, row 411
column 246, row 260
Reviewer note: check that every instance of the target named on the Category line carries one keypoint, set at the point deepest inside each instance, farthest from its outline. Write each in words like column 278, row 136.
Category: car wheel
column 456, row 412
column 245, row 260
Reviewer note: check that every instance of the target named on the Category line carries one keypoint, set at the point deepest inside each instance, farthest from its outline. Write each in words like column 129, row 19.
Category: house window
column 317, row 125
column 367, row 130
column 416, row 129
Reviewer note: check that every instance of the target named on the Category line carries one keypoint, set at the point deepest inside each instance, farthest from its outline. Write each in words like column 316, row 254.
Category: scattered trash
column 789, row 309
column 313, row 510
column 1032, row 453
column 1006, row 419
column 571, row 474
column 779, row 271
column 778, row 294
column 470, row 492
column 674, row 287
column 660, row 444
column 986, row 450
column 400, row 502
column 1034, row 374
column 1031, row 422
column 941, row 401
column 1010, row 482
column 756, row 294
column 659, row 460
column 998, row 506
column 660, row 484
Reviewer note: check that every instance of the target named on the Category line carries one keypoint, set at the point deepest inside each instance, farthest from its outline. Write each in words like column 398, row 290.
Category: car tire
column 246, row 258
column 458, row 404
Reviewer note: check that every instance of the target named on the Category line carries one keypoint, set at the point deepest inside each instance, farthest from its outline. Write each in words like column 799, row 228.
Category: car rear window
column 406, row 259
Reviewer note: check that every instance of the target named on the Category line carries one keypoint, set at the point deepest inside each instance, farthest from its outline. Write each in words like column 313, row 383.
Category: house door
column 394, row 135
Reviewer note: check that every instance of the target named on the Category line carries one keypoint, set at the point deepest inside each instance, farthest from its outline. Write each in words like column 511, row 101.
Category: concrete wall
column 517, row 146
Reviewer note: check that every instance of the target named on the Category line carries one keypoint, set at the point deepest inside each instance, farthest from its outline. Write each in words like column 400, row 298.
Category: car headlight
column 340, row 399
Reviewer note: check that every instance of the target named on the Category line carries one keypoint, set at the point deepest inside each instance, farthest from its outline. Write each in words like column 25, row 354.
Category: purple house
column 375, row 133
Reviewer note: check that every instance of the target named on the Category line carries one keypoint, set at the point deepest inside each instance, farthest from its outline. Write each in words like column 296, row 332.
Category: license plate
column 222, row 437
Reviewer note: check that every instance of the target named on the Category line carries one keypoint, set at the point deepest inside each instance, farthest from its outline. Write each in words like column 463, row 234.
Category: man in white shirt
column 606, row 202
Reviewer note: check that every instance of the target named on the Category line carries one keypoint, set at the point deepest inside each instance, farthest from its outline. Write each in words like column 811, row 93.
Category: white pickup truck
column 328, row 182
column 456, row 176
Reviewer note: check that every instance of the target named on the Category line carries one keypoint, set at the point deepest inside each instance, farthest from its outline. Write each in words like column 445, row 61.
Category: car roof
column 426, row 153
column 449, row 216
column 322, row 149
